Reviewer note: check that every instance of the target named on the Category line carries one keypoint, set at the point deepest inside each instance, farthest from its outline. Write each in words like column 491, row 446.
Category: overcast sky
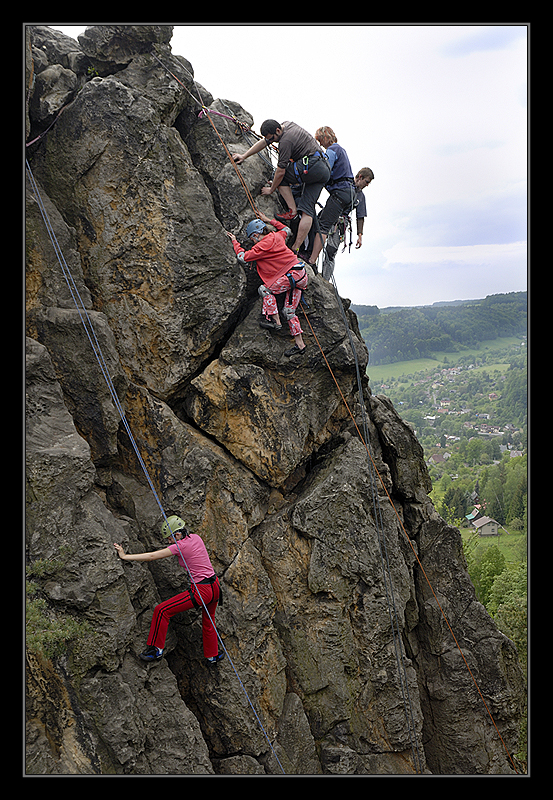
column 437, row 112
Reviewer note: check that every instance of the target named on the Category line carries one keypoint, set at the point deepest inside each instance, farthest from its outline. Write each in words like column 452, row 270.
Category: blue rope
column 91, row 334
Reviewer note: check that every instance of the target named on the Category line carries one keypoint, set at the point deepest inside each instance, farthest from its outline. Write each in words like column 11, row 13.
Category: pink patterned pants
column 292, row 298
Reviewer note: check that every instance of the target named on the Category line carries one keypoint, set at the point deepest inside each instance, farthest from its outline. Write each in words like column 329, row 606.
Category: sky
column 438, row 112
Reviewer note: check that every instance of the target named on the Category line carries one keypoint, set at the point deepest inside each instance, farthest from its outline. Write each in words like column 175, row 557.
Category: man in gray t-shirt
column 294, row 143
column 301, row 161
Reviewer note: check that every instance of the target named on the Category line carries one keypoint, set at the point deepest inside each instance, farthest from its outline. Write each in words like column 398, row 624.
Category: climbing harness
column 91, row 335
column 288, row 312
column 301, row 167
column 211, row 581
column 343, row 224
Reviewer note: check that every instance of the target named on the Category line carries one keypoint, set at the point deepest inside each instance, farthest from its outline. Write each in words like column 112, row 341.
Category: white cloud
column 408, row 276
column 467, row 254
column 484, row 39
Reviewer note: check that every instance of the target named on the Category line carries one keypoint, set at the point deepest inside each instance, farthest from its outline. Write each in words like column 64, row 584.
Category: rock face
column 320, row 547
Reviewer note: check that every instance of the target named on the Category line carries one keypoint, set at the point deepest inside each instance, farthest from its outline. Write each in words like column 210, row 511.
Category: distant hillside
column 363, row 310
column 403, row 334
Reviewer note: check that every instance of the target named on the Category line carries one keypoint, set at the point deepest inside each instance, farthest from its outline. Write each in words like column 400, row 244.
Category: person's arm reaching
column 277, row 179
column 153, row 556
column 360, row 223
column 256, row 148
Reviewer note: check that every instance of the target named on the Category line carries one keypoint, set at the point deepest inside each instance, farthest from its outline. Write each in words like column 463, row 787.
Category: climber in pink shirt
column 204, row 593
column 276, row 264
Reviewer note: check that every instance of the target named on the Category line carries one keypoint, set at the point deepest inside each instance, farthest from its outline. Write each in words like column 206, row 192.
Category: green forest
column 403, row 334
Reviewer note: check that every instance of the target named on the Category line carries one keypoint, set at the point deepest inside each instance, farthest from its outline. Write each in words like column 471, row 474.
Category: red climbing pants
column 292, row 298
column 183, row 602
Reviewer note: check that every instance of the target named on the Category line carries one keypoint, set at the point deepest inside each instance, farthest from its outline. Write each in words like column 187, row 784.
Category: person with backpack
column 204, row 593
column 300, row 161
column 280, row 271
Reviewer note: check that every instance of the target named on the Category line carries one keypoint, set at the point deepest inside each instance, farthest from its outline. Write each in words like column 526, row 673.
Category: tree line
column 408, row 333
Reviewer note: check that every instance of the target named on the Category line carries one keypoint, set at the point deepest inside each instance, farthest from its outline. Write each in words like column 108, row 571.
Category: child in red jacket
column 276, row 263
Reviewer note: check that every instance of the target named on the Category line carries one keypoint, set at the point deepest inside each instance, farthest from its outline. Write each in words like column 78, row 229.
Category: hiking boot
column 295, row 351
column 215, row 659
column 151, row 653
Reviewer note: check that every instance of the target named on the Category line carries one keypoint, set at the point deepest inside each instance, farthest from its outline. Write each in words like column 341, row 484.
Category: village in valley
column 471, row 419
column 479, row 423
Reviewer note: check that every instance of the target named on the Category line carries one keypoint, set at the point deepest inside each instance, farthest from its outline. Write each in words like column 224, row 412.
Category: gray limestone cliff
column 259, row 454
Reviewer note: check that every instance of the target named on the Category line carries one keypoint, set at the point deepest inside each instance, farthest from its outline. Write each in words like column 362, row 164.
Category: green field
column 512, row 544
column 384, row 372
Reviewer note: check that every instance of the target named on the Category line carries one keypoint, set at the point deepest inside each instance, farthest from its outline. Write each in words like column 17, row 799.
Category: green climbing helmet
column 172, row 525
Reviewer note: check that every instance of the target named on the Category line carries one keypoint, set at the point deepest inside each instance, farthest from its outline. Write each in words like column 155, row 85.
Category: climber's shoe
column 295, row 351
column 270, row 325
column 151, row 653
column 215, row 659
column 286, row 216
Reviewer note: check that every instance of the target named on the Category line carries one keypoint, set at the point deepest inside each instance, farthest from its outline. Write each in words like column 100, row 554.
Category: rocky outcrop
column 261, row 455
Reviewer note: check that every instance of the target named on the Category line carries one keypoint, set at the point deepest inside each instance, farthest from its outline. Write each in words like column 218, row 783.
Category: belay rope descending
column 208, row 112
column 374, row 472
column 388, row 584
column 384, row 561
column 90, row 332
